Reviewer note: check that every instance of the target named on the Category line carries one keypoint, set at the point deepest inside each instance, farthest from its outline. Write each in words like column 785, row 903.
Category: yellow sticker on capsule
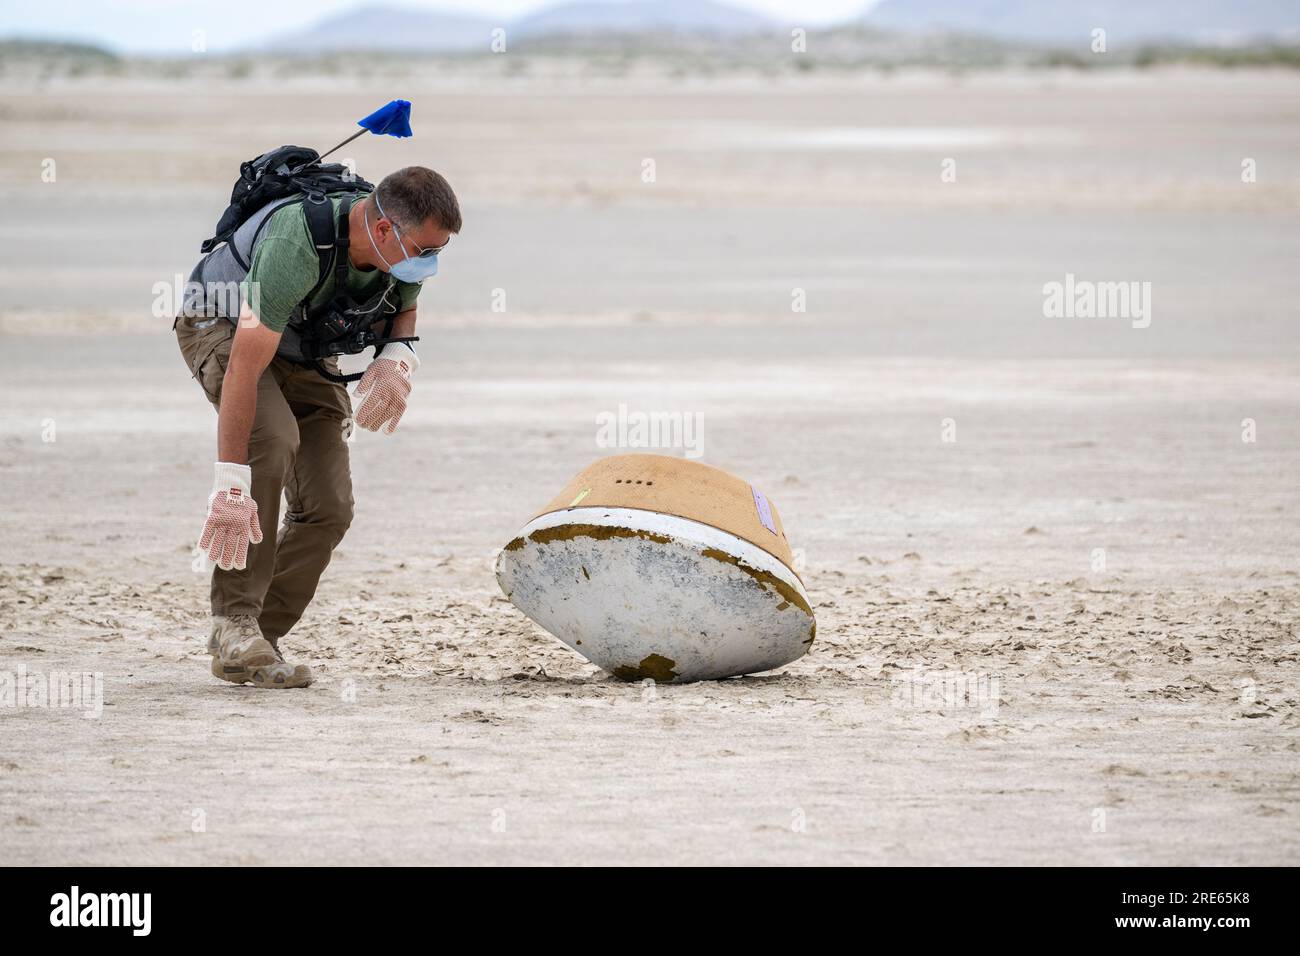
column 582, row 494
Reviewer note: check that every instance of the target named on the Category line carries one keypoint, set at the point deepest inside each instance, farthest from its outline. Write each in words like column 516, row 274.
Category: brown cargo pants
column 298, row 447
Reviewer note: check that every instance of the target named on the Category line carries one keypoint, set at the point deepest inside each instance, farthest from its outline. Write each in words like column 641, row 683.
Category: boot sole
column 239, row 674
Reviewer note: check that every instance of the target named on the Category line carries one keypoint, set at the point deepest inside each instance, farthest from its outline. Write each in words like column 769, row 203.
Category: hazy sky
column 167, row 25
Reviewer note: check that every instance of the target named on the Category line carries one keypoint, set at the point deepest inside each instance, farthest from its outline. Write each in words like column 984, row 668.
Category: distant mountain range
column 404, row 29
column 370, row 27
column 642, row 16
column 1071, row 20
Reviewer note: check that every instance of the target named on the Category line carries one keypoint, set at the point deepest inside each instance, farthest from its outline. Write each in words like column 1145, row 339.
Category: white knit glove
column 232, row 517
column 384, row 387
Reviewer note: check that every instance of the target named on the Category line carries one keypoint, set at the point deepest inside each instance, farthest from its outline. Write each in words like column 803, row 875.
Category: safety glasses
column 425, row 253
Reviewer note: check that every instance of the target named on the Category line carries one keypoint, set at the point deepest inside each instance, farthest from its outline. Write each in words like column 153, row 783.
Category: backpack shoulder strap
column 320, row 225
column 331, row 242
column 341, row 243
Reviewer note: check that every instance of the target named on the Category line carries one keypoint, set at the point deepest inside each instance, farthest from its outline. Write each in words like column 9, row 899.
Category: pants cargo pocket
column 211, row 370
column 206, row 353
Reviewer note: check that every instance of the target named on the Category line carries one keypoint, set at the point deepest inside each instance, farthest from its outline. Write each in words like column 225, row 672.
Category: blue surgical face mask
column 409, row 269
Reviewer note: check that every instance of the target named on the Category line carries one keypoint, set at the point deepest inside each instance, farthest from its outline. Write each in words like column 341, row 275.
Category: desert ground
column 1097, row 520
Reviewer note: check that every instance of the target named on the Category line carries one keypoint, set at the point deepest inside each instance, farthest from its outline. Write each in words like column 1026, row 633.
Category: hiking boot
column 280, row 675
column 277, row 676
column 238, row 640
column 241, row 655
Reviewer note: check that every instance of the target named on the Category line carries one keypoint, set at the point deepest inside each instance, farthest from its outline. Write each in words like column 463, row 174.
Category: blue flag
column 391, row 120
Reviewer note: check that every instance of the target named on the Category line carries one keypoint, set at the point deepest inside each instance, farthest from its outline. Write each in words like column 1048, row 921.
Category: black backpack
column 294, row 173
column 279, row 174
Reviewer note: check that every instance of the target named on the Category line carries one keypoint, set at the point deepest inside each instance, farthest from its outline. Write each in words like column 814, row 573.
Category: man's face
column 394, row 240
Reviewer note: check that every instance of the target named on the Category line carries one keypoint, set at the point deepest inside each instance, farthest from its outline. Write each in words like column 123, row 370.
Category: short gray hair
column 416, row 194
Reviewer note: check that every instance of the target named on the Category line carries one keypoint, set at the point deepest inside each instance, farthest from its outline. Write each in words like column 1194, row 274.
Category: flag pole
column 344, row 143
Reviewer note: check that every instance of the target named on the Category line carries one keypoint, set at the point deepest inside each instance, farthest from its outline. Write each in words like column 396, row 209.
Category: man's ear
column 383, row 225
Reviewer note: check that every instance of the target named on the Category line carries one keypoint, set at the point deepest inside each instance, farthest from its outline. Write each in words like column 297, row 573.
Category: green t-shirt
column 285, row 267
